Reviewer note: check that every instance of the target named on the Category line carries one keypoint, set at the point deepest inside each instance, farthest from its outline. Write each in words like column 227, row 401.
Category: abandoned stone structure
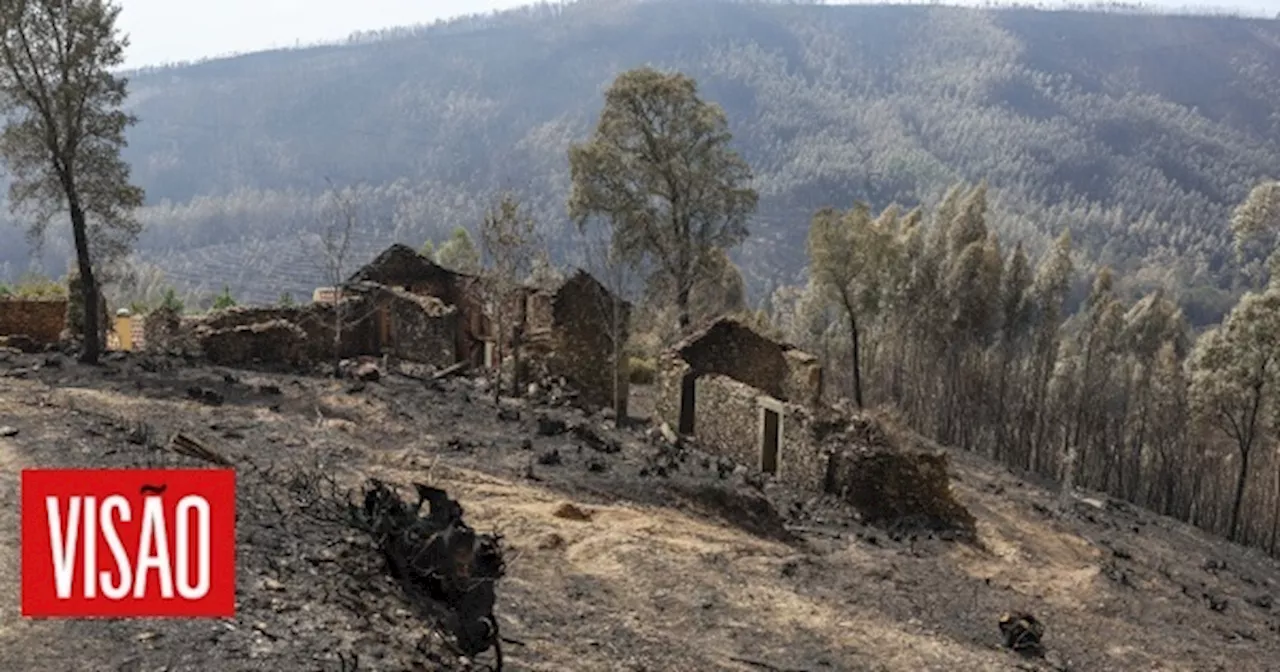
column 577, row 329
column 742, row 394
column 566, row 330
column 760, row 403
column 42, row 321
column 406, row 305
column 376, row 320
column 402, row 268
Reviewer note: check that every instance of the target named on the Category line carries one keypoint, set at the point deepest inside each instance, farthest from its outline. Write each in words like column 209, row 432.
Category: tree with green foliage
column 428, row 249
column 1235, row 370
column 1255, row 224
column 854, row 259
column 459, row 253
column 224, row 300
column 169, row 301
column 286, row 300
column 659, row 170
column 64, row 130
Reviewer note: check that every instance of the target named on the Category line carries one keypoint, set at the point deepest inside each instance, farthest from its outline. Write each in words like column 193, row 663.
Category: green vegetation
column 224, row 300
column 642, row 371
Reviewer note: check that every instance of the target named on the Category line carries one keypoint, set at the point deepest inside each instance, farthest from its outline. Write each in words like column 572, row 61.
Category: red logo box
column 161, row 543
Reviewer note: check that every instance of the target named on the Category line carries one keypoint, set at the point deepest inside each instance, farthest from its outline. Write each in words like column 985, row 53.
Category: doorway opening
column 687, row 403
column 770, row 440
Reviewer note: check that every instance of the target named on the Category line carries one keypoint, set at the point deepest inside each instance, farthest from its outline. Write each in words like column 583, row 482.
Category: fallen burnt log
column 447, row 570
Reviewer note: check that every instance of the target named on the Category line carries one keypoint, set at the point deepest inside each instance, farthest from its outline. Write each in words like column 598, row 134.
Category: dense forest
column 1137, row 132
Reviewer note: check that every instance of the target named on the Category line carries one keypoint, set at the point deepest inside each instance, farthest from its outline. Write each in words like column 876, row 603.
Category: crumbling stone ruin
column 571, row 333
column 276, row 341
column 760, row 403
column 444, row 566
column 160, row 331
column 402, row 268
column 746, row 397
column 563, row 331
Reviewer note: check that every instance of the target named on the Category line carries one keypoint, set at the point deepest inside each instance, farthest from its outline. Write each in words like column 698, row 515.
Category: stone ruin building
column 760, row 403
column 405, row 305
column 746, row 397
column 565, row 330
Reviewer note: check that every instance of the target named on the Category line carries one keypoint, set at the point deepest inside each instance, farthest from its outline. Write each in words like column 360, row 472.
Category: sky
column 167, row 31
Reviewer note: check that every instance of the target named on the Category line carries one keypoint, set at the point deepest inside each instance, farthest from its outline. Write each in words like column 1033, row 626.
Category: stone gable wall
column 41, row 320
column 725, row 418
column 735, row 350
column 583, row 349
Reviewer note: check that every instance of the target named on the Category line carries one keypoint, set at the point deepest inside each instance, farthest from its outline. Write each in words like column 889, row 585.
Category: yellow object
column 124, row 331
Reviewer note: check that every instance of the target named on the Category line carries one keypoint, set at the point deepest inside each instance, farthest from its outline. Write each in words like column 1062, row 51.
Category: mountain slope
column 1137, row 131
column 661, row 573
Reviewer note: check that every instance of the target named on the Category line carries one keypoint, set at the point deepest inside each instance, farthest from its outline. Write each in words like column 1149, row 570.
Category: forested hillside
column 1137, row 132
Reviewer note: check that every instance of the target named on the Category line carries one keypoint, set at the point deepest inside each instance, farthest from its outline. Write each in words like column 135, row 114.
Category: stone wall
column 41, row 320
column 667, row 387
column 888, row 480
column 729, row 421
column 270, row 342
column 730, row 348
column 583, row 340
column 314, row 321
column 161, row 331
column 417, row 328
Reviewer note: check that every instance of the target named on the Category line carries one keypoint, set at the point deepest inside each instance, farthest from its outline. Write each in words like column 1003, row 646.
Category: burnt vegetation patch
column 448, row 571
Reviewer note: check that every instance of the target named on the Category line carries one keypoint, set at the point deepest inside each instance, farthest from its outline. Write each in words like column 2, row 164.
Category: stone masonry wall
column 728, row 421
column 666, row 404
column 421, row 329
column 735, row 350
column 725, row 418
column 41, row 320
column 270, row 342
column 583, row 350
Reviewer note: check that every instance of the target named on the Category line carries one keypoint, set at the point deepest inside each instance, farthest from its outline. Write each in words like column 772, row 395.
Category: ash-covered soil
column 622, row 554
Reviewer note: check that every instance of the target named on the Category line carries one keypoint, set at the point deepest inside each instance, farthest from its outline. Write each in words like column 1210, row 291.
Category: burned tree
column 446, row 569
column 508, row 238
column 340, row 215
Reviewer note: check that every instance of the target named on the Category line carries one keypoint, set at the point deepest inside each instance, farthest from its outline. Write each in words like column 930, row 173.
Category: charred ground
column 622, row 553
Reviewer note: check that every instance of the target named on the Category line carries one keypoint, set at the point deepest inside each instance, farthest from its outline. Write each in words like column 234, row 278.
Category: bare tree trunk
column 517, row 339
column 1245, row 442
column 857, row 364
column 91, row 348
column 682, row 308
column 498, row 354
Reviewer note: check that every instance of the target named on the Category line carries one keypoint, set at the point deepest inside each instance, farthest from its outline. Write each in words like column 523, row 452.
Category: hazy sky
column 181, row 30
